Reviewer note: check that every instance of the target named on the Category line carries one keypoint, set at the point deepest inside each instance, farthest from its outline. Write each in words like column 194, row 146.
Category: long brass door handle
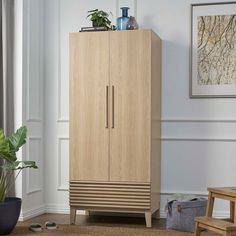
column 107, row 104
column 113, row 107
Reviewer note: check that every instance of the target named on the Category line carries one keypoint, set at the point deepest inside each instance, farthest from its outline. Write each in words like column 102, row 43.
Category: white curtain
column 7, row 68
column 1, row 70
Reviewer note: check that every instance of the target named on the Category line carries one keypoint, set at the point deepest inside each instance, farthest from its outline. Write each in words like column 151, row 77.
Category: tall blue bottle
column 122, row 21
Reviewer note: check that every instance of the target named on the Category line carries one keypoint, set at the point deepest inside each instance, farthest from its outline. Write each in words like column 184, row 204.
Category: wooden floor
column 96, row 220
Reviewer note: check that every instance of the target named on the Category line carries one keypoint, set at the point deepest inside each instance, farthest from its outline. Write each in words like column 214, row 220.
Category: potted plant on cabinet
column 10, row 206
column 99, row 18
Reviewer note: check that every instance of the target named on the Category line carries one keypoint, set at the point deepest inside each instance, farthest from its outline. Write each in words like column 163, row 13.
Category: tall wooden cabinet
column 115, row 107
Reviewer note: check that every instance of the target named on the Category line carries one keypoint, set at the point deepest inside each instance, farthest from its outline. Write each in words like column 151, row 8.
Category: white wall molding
column 197, row 139
column 28, row 214
column 58, row 209
column 197, row 120
column 38, row 120
column 171, row 192
column 211, row 130
column 61, row 209
column 27, row 58
column 217, row 214
column 39, row 162
column 63, row 120
column 181, row 120
column 60, row 118
column 32, row 117
column 60, row 185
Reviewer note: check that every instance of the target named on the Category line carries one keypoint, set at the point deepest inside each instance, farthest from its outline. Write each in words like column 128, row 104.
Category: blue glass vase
column 122, row 21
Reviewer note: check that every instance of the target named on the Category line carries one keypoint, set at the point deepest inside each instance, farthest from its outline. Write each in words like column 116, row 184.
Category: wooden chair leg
column 232, row 206
column 234, row 212
column 197, row 229
column 210, row 205
column 72, row 215
column 148, row 218
column 228, row 233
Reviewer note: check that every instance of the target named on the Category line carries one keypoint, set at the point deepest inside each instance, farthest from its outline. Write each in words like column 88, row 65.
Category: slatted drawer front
column 110, row 195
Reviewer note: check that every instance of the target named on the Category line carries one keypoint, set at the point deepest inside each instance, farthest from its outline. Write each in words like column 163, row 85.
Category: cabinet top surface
column 115, row 31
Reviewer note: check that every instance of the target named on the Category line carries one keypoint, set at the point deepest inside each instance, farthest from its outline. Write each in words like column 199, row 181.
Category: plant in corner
column 99, row 18
column 10, row 206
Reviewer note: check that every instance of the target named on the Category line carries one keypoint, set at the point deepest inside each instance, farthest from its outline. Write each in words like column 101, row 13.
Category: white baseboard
column 64, row 209
column 61, row 209
column 28, row 214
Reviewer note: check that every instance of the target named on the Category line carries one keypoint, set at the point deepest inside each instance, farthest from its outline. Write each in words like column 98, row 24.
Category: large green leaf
column 5, row 151
column 17, row 139
column 8, row 148
column 19, row 165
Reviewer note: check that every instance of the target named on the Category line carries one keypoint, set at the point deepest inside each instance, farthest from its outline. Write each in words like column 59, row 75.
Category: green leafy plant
column 8, row 148
column 99, row 18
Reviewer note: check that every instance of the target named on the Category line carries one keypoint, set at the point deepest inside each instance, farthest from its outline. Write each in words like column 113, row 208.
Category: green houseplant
column 10, row 206
column 99, row 18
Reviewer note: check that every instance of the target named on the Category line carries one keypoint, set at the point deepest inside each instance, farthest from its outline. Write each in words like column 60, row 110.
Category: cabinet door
column 89, row 80
column 130, row 73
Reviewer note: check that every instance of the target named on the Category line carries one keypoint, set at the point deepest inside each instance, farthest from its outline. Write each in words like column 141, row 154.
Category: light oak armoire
column 115, row 108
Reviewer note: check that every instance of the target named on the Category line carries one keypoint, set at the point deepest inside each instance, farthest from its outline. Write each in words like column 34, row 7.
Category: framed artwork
column 213, row 50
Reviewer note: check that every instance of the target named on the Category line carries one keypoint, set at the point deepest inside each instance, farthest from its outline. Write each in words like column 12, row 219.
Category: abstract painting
column 213, row 57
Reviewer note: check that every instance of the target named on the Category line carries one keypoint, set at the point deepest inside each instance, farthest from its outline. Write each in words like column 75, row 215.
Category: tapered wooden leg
column 72, row 215
column 156, row 214
column 228, row 233
column 210, row 205
column 234, row 211
column 232, row 206
column 148, row 218
column 197, row 230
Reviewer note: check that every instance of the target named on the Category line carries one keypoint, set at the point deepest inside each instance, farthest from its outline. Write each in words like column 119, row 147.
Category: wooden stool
column 220, row 226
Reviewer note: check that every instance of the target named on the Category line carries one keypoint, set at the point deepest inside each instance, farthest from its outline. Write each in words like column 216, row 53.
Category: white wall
column 198, row 135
